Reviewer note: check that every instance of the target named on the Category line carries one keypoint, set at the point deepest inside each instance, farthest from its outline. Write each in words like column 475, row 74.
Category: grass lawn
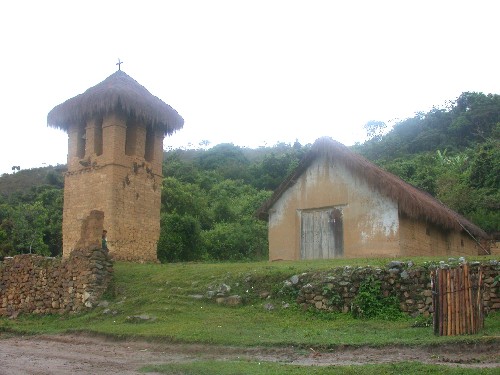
column 266, row 368
column 166, row 293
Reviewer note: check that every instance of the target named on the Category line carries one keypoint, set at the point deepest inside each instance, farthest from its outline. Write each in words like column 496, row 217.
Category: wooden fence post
column 457, row 299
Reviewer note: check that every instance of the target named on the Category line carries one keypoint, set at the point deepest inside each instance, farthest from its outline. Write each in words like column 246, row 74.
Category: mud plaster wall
column 424, row 239
column 372, row 225
column 123, row 185
column 335, row 290
column 370, row 220
column 41, row 285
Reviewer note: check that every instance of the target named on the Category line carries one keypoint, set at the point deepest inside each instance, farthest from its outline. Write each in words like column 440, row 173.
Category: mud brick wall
column 42, row 285
column 118, row 180
column 130, row 199
column 335, row 290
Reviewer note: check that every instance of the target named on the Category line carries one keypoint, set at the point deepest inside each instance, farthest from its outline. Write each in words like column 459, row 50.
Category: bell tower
column 115, row 154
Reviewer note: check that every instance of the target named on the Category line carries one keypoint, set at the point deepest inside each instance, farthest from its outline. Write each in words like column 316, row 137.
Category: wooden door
column 322, row 234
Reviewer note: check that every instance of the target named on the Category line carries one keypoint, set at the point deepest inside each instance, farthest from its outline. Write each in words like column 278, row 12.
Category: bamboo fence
column 457, row 299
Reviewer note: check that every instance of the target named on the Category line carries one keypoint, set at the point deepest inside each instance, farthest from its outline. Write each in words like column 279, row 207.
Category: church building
column 115, row 154
column 337, row 204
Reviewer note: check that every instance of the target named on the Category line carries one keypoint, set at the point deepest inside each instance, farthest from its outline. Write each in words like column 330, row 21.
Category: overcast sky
column 247, row 72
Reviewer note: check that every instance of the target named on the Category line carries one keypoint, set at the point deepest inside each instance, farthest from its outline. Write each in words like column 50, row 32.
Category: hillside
column 452, row 153
column 209, row 196
column 25, row 179
column 468, row 121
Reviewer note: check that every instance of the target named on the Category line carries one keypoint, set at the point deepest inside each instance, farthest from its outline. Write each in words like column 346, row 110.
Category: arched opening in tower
column 131, row 138
column 150, row 144
column 81, row 141
column 98, row 137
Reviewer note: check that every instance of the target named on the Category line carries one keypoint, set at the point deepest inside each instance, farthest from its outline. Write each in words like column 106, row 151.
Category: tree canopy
column 209, row 197
column 452, row 153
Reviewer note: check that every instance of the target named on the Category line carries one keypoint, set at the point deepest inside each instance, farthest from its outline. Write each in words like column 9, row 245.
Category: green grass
column 164, row 292
column 268, row 368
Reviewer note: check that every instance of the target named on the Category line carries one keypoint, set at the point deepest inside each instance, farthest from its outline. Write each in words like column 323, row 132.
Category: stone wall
column 42, row 285
column 336, row 289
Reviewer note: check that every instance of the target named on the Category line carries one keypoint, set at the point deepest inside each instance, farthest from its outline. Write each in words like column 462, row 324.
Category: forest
column 209, row 196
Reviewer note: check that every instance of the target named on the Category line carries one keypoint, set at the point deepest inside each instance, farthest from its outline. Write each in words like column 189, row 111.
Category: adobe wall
column 372, row 224
column 120, row 183
column 418, row 238
column 370, row 220
column 495, row 248
column 336, row 289
column 40, row 285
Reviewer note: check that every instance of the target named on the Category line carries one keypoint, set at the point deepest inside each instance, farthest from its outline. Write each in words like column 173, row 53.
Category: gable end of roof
column 411, row 201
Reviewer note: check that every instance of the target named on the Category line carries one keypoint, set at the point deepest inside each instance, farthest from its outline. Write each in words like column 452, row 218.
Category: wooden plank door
column 322, row 234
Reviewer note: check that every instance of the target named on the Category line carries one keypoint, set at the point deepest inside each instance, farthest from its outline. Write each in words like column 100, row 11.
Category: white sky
column 248, row 72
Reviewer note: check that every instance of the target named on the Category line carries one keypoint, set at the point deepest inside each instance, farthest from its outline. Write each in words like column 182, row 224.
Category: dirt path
column 74, row 354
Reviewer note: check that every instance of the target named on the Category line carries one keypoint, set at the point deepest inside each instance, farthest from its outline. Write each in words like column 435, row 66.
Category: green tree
column 276, row 165
column 180, row 238
column 29, row 222
column 484, row 186
column 185, row 199
column 6, row 225
column 244, row 240
column 485, row 167
column 227, row 159
column 475, row 117
column 52, row 200
column 232, row 200
column 180, row 165
column 420, row 170
column 452, row 153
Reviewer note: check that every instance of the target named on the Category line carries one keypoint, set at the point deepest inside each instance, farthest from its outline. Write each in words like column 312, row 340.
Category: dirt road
column 75, row 354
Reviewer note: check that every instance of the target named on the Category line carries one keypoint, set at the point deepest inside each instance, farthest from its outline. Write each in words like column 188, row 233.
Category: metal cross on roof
column 119, row 63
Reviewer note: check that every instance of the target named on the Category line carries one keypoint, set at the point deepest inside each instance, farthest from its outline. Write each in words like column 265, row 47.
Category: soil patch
column 82, row 354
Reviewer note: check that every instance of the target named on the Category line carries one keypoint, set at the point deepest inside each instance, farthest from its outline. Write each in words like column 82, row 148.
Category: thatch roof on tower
column 412, row 202
column 117, row 93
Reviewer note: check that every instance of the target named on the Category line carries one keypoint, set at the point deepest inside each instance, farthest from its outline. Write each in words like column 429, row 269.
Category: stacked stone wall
column 335, row 290
column 42, row 285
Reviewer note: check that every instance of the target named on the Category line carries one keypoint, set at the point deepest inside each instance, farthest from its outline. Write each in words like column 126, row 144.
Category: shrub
column 236, row 241
column 180, row 238
column 370, row 303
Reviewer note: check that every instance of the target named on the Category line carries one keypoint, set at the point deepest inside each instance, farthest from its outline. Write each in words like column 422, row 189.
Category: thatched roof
column 118, row 92
column 412, row 202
